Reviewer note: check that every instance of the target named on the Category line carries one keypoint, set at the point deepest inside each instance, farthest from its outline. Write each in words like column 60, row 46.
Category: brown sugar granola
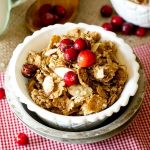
column 76, row 74
column 140, row 1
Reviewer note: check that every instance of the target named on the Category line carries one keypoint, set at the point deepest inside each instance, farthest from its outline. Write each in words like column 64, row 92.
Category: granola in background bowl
column 145, row 2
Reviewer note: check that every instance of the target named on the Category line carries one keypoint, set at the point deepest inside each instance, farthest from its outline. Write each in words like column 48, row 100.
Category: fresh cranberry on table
column 107, row 26
column 140, row 31
column 70, row 54
column 59, row 10
column 46, row 8
column 47, row 19
column 80, row 44
column 106, row 11
column 127, row 28
column 29, row 70
column 65, row 44
column 22, row 139
column 71, row 78
column 2, row 93
column 117, row 22
column 86, row 58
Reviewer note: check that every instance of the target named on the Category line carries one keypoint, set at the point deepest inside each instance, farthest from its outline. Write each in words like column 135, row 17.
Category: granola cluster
column 140, row 1
column 98, row 87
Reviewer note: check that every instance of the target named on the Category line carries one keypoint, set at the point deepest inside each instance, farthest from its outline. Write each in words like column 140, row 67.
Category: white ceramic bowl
column 132, row 12
column 39, row 40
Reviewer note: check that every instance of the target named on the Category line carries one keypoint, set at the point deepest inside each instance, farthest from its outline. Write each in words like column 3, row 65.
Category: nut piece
column 48, row 85
column 29, row 70
column 50, row 52
column 61, row 71
column 99, row 72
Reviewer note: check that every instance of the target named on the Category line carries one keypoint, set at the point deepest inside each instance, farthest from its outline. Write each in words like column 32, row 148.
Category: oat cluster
column 140, row 1
column 99, row 85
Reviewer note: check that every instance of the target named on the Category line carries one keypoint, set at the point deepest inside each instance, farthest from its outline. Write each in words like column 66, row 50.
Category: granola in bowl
column 76, row 74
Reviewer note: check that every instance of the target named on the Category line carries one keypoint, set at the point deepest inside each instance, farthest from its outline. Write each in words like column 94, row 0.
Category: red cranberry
column 59, row 10
column 65, row 44
column 29, row 70
column 2, row 93
column 56, row 18
column 46, row 8
column 107, row 26
column 47, row 19
column 86, row 58
column 140, row 31
column 70, row 54
column 70, row 78
column 127, row 28
column 106, row 11
column 117, row 22
column 22, row 139
column 80, row 44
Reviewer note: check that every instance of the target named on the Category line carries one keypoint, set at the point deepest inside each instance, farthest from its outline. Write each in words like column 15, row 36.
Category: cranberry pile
column 49, row 14
column 73, row 51
column 78, row 50
column 117, row 24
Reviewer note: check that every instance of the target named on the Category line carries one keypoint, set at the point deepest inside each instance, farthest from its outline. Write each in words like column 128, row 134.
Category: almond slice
column 61, row 71
column 48, row 85
column 50, row 52
column 99, row 72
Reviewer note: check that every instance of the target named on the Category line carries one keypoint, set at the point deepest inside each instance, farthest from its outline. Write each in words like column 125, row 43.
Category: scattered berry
column 2, row 93
column 117, row 22
column 127, row 28
column 140, row 32
column 106, row 11
column 86, row 58
column 46, row 8
column 70, row 54
column 22, row 139
column 60, row 10
column 47, row 19
column 65, row 44
column 70, row 78
column 107, row 26
column 29, row 70
column 80, row 44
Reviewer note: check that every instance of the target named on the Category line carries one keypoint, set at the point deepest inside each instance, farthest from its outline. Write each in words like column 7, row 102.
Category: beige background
column 16, row 31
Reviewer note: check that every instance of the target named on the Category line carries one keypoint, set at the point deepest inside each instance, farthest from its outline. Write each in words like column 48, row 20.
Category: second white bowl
column 132, row 12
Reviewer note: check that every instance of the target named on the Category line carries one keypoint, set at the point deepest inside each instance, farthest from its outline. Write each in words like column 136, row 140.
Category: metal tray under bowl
column 113, row 125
